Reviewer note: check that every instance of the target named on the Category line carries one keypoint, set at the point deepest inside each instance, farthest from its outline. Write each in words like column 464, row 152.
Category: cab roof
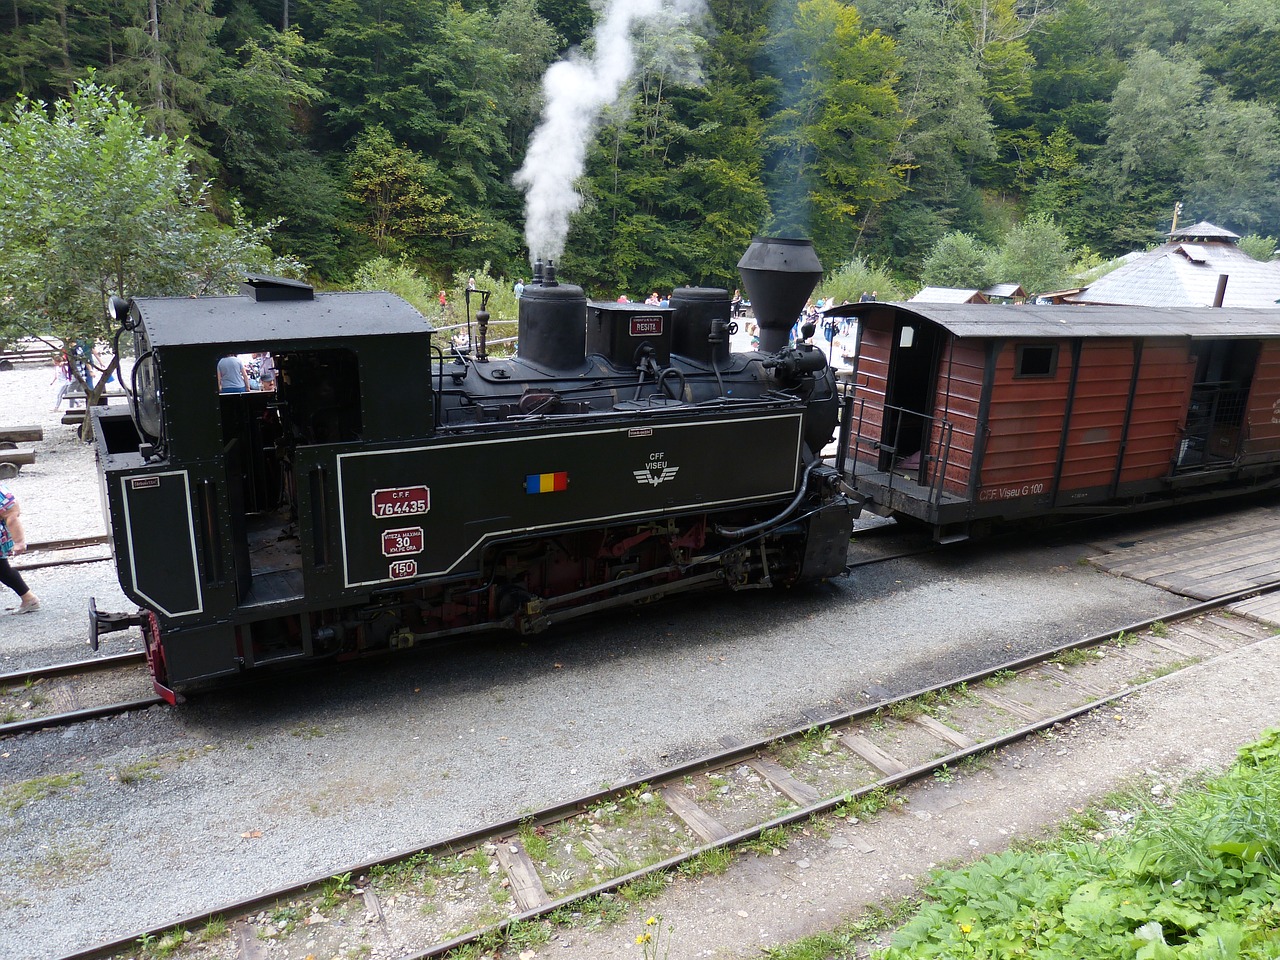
column 208, row 321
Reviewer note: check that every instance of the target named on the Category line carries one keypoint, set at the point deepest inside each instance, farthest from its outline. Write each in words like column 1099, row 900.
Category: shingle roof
column 948, row 295
column 1204, row 230
column 1181, row 273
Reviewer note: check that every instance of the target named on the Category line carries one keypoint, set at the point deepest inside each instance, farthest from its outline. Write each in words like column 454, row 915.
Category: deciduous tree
column 92, row 206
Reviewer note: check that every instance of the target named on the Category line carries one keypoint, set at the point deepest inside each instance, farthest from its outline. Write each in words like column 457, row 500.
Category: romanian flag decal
column 546, row 482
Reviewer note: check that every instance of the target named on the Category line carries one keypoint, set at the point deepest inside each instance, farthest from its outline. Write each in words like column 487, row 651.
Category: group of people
column 652, row 300
column 81, row 358
column 244, row 373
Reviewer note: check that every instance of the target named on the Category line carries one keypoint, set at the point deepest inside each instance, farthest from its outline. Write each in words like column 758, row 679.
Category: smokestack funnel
column 778, row 273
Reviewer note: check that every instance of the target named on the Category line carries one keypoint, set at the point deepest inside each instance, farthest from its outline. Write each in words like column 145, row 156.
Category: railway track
column 56, row 546
column 67, row 693
column 483, row 886
column 28, row 697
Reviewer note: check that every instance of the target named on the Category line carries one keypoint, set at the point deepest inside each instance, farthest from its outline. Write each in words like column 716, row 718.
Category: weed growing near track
column 1197, row 878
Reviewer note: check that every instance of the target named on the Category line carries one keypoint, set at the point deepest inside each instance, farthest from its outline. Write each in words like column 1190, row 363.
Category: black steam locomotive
column 387, row 494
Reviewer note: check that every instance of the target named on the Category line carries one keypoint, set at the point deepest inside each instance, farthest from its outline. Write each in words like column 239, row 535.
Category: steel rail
column 40, row 565
column 93, row 665
column 68, row 544
column 68, row 717
column 79, row 716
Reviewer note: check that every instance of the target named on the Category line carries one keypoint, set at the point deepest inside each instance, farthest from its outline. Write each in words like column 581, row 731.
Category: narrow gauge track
column 20, row 684
column 734, row 796
column 60, row 687
column 58, row 545
column 54, row 546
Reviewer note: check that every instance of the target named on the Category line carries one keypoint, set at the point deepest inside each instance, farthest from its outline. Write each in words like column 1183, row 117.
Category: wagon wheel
column 8, row 470
column 8, row 445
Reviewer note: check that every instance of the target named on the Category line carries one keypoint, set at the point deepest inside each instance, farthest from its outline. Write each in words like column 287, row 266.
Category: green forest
column 901, row 136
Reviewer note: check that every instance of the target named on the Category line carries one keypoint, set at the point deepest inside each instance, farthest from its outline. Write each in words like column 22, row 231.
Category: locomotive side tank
column 387, row 495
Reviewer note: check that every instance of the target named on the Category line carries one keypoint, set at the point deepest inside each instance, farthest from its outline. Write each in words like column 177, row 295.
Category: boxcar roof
column 229, row 320
column 1000, row 320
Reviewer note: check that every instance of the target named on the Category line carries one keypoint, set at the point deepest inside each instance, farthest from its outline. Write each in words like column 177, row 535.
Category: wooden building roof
column 1184, row 273
column 949, row 295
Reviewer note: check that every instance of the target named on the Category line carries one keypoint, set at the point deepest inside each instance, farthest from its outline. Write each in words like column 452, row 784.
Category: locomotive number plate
column 646, row 326
column 396, row 543
column 401, row 501
column 403, row 569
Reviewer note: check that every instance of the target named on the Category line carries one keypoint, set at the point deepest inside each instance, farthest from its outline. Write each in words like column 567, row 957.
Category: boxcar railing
column 1215, row 418
column 922, row 479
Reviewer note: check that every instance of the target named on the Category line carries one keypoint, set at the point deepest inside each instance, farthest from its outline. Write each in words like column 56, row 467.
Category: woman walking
column 13, row 539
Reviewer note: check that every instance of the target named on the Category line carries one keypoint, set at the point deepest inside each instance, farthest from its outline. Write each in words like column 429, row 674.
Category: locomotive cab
column 223, row 501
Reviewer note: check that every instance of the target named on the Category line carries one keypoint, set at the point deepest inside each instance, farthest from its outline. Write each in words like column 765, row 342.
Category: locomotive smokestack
column 552, row 332
column 778, row 273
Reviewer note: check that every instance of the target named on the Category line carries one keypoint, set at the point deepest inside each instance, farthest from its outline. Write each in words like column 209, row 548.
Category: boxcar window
column 907, row 337
column 1036, row 361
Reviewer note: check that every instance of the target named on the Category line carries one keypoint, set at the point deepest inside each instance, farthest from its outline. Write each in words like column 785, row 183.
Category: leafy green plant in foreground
column 1197, row 881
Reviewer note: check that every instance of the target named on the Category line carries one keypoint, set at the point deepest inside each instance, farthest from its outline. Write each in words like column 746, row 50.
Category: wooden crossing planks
column 1209, row 558
column 1263, row 608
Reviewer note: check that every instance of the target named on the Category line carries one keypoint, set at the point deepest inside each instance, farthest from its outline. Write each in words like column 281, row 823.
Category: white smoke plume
column 576, row 91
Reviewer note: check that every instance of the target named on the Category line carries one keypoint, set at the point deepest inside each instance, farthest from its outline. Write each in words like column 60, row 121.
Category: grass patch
column 139, row 770
column 16, row 796
column 644, row 888
column 1198, row 877
column 708, row 863
column 1164, row 671
column 867, row 804
column 534, row 840
column 846, row 939
column 770, row 841
column 1074, row 657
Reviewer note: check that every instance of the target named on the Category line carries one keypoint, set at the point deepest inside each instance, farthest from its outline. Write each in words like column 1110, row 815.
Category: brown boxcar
column 962, row 415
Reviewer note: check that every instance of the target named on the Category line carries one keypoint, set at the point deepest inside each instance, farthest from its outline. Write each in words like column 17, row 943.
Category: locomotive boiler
column 389, row 494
